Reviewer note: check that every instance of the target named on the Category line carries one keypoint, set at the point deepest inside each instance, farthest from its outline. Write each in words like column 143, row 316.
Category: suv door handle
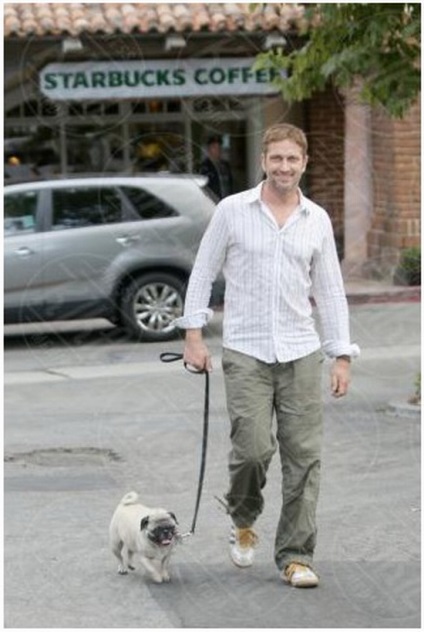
column 127, row 240
column 24, row 251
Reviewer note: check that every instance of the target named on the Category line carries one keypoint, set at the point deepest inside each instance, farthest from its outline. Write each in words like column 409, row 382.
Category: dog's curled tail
column 130, row 499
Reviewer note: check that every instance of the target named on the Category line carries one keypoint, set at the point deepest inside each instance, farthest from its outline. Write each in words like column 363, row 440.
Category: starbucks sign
column 155, row 78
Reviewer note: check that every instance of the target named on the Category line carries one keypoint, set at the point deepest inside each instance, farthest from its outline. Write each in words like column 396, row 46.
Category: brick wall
column 396, row 151
column 324, row 125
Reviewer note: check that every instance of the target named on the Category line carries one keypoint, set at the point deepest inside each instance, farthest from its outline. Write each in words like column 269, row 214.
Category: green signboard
column 155, row 78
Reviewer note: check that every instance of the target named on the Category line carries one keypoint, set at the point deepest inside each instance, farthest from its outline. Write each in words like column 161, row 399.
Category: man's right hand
column 196, row 353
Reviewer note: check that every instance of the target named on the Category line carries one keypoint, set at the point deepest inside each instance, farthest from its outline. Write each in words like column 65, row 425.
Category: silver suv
column 114, row 247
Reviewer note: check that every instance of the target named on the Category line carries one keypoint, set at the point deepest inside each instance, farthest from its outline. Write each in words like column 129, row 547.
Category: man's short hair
column 284, row 131
column 214, row 139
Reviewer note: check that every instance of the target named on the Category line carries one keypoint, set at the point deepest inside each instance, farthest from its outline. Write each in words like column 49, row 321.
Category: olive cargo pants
column 254, row 391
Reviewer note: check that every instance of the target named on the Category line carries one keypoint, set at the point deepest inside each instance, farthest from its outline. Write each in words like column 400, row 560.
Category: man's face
column 215, row 150
column 284, row 164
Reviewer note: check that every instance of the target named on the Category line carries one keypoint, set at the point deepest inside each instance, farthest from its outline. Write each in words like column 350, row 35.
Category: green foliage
column 375, row 45
column 416, row 397
column 408, row 270
column 418, row 386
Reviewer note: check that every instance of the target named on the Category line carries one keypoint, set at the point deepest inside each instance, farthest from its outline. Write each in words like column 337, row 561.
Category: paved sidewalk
column 86, row 423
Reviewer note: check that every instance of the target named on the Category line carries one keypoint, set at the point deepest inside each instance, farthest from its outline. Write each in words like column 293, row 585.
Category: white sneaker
column 242, row 546
column 299, row 576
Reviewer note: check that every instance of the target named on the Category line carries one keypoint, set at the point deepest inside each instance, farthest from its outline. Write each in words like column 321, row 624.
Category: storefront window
column 30, row 152
column 159, row 149
column 44, row 138
column 94, row 148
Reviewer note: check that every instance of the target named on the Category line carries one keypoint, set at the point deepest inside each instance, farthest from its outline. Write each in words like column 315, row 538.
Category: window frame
column 137, row 216
column 115, row 188
column 38, row 214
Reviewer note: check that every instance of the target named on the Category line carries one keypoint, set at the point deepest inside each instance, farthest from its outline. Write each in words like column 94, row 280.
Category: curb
column 392, row 295
column 402, row 409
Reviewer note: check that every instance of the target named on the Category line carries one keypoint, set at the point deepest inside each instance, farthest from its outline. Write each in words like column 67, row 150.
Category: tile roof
column 74, row 18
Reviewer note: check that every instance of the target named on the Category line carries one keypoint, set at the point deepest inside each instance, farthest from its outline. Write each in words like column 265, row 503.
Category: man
column 216, row 169
column 276, row 248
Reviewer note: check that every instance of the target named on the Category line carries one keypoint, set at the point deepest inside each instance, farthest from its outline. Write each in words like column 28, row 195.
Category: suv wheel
column 149, row 305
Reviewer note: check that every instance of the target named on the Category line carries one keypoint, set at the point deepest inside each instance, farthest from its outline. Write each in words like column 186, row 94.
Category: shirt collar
column 254, row 195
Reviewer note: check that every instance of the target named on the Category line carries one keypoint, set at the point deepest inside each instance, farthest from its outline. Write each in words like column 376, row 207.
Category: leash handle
column 169, row 356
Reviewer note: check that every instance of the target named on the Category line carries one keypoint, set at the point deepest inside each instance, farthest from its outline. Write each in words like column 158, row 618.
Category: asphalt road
column 90, row 415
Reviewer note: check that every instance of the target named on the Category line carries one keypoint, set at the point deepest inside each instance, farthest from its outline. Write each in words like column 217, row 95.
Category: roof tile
column 57, row 18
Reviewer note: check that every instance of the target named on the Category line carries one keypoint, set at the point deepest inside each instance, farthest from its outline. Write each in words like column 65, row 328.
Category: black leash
column 172, row 357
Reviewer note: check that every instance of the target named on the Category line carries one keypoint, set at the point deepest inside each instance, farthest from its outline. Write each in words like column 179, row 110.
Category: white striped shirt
column 270, row 273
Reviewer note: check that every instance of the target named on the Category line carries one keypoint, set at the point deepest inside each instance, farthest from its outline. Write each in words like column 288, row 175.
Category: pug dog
column 152, row 533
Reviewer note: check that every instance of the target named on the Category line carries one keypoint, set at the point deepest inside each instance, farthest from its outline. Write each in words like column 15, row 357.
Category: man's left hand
column 340, row 377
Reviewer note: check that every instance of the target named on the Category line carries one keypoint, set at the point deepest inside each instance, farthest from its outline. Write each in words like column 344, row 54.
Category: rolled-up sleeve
column 209, row 261
column 330, row 298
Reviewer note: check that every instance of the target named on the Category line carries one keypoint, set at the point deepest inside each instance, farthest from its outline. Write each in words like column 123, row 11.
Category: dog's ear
column 173, row 516
column 144, row 522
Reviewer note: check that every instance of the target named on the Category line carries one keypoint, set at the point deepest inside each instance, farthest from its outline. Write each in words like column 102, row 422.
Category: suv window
column 147, row 205
column 79, row 207
column 19, row 212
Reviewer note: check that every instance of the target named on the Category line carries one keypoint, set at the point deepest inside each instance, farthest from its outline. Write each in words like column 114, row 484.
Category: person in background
column 216, row 169
column 276, row 248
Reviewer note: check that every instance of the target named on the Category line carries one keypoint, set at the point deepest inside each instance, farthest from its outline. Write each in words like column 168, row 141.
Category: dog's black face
column 163, row 533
